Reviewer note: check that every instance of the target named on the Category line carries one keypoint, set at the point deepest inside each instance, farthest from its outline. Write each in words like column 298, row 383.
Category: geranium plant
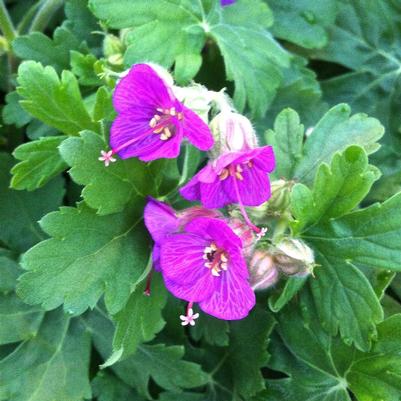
column 200, row 200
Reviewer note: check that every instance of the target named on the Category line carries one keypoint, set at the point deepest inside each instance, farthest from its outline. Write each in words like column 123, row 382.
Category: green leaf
column 299, row 90
column 287, row 141
column 183, row 28
column 253, row 59
column 107, row 387
column 41, row 161
column 164, row 364
column 247, row 352
column 373, row 85
column 13, row 113
column 370, row 236
column 9, row 271
column 322, row 368
column 87, row 256
column 315, row 362
column 345, row 300
column 109, row 189
column 54, row 365
column 214, row 331
column 166, row 367
column 344, row 297
column 282, row 296
column 82, row 23
column 82, row 65
column 20, row 211
column 141, row 318
column 18, row 320
column 337, row 188
column 38, row 47
column 333, row 133
column 55, row 102
column 376, row 376
column 303, row 22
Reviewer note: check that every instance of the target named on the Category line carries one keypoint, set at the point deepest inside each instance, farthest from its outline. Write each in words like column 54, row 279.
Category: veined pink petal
column 160, row 219
column 232, row 298
column 196, row 130
column 142, row 88
column 181, row 259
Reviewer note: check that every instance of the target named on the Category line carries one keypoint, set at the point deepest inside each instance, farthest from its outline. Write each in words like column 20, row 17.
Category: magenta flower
column 227, row 2
column 204, row 264
column 235, row 177
column 151, row 123
column 162, row 220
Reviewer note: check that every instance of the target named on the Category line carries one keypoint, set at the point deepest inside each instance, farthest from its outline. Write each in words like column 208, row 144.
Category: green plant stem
column 26, row 20
column 6, row 25
column 45, row 13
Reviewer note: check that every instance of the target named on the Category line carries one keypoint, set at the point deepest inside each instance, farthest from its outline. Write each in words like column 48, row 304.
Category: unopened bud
column 294, row 258
column 245, row 233
column 187, row 215
column 113, row 49
column 196, row 97
column 232, row 132
column 263, row 273
column 277, row 203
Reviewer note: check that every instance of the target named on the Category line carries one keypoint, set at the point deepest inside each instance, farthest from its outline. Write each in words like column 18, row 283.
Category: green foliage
column 109, row 190
column 87, row 256
column 304, row 22
column 56, row 102
column 41, row 161
column 52, row 365
column 141, row 318
column 75, row 324
column 19, row 211
column 324, row 368
column 175, row 32
column 337, row 189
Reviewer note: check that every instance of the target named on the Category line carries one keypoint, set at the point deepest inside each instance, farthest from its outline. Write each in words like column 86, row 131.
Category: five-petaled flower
column 107, row 157
column 162, row 220
column 151, row 123
column 189, row 318
column 204, row 263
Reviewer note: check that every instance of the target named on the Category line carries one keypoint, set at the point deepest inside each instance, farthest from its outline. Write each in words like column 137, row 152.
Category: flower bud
column 276, row 205
column 187, row 215
column 196, row 97
column 293, row 257
column 263, row 273
column 245, row 233
column 113, row 49
column 232, row 132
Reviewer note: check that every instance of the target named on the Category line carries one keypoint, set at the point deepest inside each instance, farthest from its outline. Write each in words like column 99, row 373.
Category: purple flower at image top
column 201, row 260
column 227, row 2
column 151, row 123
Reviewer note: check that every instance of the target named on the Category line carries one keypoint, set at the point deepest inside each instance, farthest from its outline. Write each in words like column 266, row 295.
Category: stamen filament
column 242, row 209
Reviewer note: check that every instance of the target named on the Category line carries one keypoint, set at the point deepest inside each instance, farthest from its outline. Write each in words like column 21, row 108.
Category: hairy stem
column 6, row 25
column 45, row 13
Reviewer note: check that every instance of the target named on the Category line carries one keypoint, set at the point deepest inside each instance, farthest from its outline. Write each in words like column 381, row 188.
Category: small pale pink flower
column 189, row 318
column 107, row 157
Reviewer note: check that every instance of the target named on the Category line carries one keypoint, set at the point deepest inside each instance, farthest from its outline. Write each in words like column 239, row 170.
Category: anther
column 223, row 258
column 239, row 176
column 224, row 174
column 223, row 266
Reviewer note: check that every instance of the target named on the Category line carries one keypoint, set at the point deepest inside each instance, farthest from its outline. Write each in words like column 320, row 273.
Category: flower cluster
column 201, row 253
